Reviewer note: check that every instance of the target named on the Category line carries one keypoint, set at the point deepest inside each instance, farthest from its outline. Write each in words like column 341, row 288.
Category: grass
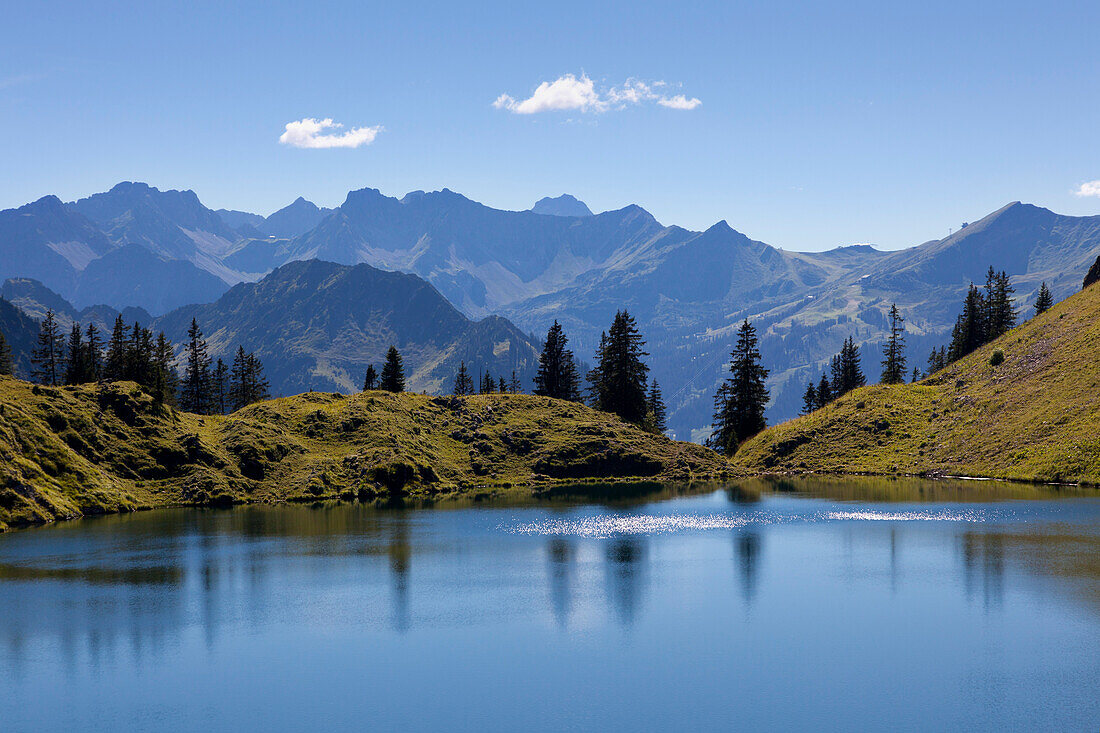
column 93, row 449
column 1034, row 416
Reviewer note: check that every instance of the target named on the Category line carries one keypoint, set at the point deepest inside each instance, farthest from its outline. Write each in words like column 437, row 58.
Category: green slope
column 72, row 451
column 1034, row 417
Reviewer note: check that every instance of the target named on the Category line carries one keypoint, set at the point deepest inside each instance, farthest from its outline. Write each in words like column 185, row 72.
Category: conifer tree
column 114, row 367
column 219, row 387
column 1044, row 300
column 75, row 365
column 656, row 418
column 258, row 387
column 557, row 375
column 165, row 381
column 619, row 379
column 486, row 384
column 515, row 386
column 393, row 372
column 49, row 356
column 824, row 391
column 809, row 398
column 247, row 383
column 740, row 401
column 238, row 380
column 502, row 386
column 195, row 393
column 917, row 376
column 969, row 331
column 1000, row 307
column 851, row 372
column 936, row 360
column 370, row 380
column 6, row 364
column 464, row 385
column 93, row 354
column 893, row 353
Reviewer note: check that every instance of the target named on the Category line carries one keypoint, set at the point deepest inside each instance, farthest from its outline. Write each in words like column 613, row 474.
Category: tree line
column 133, row 353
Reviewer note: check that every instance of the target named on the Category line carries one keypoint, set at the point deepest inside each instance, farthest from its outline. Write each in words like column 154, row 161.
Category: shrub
column 997, row 357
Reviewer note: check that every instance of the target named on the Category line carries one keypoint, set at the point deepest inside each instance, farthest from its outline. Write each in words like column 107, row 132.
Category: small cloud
column 564, row 93
column 1089, row 188
column 307, row 133
column 581, row 94
column 680, row 102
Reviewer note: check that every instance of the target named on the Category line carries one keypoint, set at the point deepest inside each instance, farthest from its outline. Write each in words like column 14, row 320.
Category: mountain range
column 687, row 289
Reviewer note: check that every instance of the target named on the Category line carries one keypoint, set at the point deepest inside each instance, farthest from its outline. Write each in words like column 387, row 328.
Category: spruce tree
column 247, row 383
column 6, row 364
column 824, row 391
column 851, row 372
column 917, row 376
column 1044, row 300
column 515, row 386
column 486, row 384
column 619, row 380
column 393, row 372
column 1001, row 307
column 502, row 386
column 75, row 365
column 809, row 398
column 656, row 418
column 463, row 384
column 936, row 361
column 48, row 357
column 165, row 381
column 93, row 354
column 258, row 387
column 893, row 353
column 114, row 367
column 970, row 327
column 370, row 380
column 219, row 387
column 740, row 401
column 195, row 392
column 238, row 380
column 557, row 375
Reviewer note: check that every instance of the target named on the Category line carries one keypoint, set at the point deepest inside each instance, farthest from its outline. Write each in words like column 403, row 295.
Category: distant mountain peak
column 564, row 205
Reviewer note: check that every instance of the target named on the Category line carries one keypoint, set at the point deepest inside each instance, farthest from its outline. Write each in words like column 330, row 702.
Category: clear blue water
column 837, row 605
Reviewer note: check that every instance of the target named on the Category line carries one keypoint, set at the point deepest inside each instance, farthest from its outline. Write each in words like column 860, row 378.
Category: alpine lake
column 800, row 604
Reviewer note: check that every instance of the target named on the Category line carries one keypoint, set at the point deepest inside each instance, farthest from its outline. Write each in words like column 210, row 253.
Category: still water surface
column 827, row 604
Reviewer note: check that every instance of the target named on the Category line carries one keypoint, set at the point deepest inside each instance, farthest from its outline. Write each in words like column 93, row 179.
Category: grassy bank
column 72, row 451
column 1033, row 417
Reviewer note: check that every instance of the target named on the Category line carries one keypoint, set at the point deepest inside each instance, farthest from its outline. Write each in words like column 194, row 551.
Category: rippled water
column 827, row 604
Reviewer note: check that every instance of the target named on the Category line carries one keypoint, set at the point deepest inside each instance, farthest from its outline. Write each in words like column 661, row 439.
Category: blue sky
column 818, row 124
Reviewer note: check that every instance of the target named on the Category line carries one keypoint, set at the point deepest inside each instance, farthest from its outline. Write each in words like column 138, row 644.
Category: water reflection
column 399, row 551
column 560, row 560
column 102, row 589
column 747, row 544
column 626, row 578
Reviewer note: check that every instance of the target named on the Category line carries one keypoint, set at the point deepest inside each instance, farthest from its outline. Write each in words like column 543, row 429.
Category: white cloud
column 570, row 92
column 1089, row 188
column 307, row 133
column 680, row 102
column 566, row 92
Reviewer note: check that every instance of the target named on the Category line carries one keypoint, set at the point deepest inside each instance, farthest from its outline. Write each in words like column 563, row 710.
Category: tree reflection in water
column 625, row 568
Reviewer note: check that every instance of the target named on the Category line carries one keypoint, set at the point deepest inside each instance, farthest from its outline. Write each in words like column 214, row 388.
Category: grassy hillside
column 71, row 451
column 1036, row 416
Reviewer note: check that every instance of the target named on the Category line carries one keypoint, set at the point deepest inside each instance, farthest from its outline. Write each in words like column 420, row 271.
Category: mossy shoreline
column 68, row 452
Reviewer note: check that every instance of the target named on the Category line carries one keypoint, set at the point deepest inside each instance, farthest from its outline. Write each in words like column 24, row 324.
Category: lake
column 767, row 605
